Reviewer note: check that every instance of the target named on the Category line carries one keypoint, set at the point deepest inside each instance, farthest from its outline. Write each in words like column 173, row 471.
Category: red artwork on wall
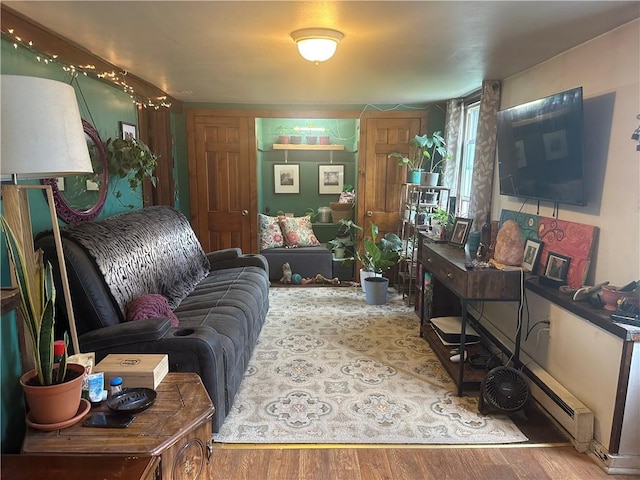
column 573, row 240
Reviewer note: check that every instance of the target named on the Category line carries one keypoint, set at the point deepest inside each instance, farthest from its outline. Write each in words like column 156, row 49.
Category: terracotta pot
column 324, row 140
column 53, row 403
column 283, row 139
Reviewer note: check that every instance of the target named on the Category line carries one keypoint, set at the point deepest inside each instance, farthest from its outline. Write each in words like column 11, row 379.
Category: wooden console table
column 176, row 428
column 79, row 467
column 453, row 287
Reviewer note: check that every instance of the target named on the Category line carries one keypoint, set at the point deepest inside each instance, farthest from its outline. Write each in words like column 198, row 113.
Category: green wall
column 105, row 107
column 341, row 132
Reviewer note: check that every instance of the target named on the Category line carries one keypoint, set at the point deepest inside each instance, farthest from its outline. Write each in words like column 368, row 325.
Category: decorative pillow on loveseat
column 298, row 232
column 151, row 306
column 270, row 232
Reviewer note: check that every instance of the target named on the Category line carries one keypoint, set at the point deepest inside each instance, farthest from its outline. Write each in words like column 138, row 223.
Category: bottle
column 58, row 351
column 485, row 240
column 116, row 385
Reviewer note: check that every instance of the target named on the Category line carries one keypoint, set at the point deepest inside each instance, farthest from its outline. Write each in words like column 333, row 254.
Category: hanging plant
column 131, row 159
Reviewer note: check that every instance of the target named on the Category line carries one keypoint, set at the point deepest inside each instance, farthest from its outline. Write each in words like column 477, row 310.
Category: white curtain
column 452, row 133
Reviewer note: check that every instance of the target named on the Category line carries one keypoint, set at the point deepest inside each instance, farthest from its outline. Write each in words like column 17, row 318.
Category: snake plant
column 37, row 306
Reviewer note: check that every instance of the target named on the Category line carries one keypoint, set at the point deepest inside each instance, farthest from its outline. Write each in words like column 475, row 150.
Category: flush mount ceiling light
column 317, row 44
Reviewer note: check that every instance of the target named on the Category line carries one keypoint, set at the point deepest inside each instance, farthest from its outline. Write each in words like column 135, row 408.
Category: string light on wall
column 317, row 44
column 115, row 78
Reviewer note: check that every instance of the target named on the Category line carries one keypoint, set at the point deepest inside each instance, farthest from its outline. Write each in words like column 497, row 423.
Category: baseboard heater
column 563, row 407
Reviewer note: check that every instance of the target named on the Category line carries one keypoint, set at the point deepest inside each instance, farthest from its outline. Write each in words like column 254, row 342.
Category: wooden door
column 222, row 181
column 380, row 177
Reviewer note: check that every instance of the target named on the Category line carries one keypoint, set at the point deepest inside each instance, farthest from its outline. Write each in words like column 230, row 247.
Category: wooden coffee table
column 176, row 428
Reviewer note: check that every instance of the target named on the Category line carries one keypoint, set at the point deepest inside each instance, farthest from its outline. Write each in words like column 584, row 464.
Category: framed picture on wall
column 286, row 178
column 128, row 130
column 330, row 179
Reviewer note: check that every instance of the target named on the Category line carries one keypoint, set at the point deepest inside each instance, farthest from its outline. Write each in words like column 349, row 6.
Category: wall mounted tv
column 540, row 149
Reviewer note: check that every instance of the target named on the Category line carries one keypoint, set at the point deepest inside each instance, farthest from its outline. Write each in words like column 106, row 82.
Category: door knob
column 245, row 213
column 369, row 213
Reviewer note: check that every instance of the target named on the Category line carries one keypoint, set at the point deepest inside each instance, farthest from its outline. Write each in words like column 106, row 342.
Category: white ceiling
column 392, row 52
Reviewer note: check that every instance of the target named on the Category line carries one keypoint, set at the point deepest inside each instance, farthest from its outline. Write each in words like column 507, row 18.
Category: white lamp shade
column 42, row 133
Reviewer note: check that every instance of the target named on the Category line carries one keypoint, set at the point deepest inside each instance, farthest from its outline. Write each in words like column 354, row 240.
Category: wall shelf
column 305, row 146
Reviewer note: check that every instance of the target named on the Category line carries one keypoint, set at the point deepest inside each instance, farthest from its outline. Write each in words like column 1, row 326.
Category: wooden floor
column 438, row 463
column 547, row 454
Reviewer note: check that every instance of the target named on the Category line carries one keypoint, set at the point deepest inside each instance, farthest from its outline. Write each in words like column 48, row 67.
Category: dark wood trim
column 621, row 397
column 155, row 130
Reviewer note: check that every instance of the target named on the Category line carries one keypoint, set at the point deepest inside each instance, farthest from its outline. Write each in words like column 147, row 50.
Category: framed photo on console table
column 460, row 232
column 286, row 178
column 532, row 250
column 555, row 271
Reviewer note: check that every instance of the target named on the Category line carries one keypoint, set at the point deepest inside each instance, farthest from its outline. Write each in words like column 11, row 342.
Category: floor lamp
column 42, row 137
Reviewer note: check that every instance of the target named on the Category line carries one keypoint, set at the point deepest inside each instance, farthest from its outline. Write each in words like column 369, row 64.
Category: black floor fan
column 505, row 391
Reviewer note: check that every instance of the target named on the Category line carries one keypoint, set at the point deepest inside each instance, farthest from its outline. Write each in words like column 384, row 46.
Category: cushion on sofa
column 298, row 232
column 270, row 232
column 151, row 305
column 162, row 255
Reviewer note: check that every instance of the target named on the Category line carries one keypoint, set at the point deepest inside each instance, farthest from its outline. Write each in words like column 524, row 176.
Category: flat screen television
column 540, row 152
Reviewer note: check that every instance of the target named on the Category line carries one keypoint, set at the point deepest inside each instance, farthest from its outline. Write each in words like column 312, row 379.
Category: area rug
column 328, row 368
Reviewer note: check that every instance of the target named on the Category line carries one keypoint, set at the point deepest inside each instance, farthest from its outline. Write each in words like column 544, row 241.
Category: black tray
column 132, row 400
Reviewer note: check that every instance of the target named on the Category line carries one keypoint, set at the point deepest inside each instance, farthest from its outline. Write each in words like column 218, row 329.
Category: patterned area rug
column 328, row 368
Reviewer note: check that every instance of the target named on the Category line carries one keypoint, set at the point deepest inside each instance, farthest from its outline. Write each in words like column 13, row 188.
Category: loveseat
column 141, row 283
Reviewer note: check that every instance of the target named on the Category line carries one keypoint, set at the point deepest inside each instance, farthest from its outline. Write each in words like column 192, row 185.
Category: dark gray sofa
column 220, row 298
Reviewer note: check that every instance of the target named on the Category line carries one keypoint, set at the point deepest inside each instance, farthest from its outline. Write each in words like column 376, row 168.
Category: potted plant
column 376, row 257
column 132, row 159
column 421, row 149
column 341, row 246
column 441, row 223
column 53, row 391
column 283, row 137
column 343, row 208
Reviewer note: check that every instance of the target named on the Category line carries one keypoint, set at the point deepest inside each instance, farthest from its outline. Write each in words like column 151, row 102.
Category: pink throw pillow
column 151, row 306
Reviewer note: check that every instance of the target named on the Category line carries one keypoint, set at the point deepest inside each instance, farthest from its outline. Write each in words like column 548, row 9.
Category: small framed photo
column 286, row 178
column 460, row 232
column 557, row 266
column 330, row 179
column 532, row 250
column 128, row 130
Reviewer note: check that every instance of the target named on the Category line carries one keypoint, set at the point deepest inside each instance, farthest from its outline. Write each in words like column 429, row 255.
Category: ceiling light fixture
column 317, row 44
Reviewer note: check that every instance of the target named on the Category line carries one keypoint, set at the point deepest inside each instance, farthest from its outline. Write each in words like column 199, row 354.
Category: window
column 468, row 153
